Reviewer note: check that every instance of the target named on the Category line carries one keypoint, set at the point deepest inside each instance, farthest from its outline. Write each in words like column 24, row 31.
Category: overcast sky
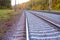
column 18, row 1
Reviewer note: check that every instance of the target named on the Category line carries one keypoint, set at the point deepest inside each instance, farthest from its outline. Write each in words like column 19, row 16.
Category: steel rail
column 27, row 28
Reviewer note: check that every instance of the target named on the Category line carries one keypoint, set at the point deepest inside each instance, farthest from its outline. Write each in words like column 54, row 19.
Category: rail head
column 27, row 27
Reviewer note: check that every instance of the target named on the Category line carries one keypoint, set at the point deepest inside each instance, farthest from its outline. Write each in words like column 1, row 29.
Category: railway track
column 40, row 29
column 32, row 27
column 50, row 17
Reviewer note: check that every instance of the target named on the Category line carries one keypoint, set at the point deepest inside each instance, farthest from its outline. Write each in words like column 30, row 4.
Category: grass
column 5, row 14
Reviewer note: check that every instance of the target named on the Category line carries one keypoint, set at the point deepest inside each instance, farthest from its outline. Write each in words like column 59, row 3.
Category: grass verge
column 7, row 18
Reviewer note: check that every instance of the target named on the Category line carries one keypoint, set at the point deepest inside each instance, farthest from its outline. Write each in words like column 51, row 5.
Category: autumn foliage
column 41, row 5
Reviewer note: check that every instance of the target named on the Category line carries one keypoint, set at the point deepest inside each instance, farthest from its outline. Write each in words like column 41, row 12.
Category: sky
column 18, row 1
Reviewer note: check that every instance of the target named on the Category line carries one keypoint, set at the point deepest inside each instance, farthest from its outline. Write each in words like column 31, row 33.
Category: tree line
column 44, row 5
column 5, row 4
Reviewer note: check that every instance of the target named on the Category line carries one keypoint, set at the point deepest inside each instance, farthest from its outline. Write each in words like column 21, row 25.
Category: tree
column 5, row 3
